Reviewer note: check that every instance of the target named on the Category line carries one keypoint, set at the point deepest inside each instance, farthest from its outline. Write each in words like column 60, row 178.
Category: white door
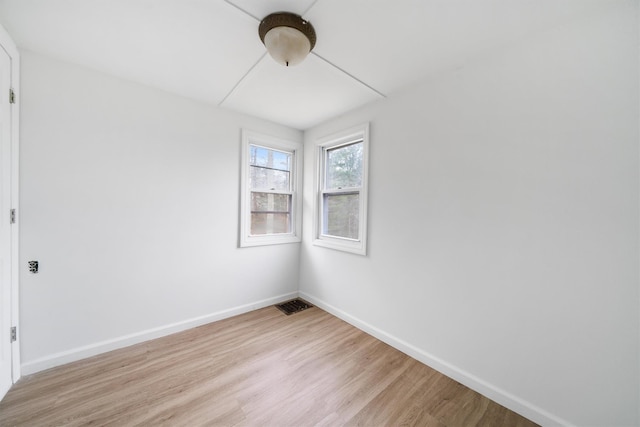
column 5, row 225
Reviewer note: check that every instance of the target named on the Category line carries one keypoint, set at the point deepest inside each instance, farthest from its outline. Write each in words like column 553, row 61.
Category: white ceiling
column 210, row 50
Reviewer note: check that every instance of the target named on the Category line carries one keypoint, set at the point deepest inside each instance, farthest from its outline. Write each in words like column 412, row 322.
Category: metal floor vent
column 293, row 306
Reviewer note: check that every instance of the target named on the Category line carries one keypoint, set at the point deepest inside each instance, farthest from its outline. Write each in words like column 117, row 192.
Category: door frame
column 7, row 44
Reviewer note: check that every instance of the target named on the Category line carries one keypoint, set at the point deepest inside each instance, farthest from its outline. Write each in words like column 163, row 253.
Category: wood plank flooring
column 257, row 369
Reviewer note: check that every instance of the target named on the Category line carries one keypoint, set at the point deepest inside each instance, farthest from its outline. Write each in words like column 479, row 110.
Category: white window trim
column 246, row 239
column 356, row 246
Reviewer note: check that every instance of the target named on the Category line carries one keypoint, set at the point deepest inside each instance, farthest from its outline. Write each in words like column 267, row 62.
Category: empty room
column 320, row 212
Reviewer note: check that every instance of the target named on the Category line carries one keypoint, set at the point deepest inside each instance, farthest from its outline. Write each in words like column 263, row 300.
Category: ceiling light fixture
column 287, row 37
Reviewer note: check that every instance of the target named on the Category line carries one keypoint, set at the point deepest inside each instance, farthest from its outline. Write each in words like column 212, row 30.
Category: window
column 341, row 202
column 270, row 206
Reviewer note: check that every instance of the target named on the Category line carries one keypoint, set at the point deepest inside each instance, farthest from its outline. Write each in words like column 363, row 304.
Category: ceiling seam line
column 350, row 75
column 241, row 79
column 309, row 8
column 242, row 10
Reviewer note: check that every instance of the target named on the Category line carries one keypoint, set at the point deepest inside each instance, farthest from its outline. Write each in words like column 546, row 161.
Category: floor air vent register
column 293, row 306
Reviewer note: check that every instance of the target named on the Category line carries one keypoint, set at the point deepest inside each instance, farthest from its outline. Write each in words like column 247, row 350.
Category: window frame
column 246, row 239
column 323, row 145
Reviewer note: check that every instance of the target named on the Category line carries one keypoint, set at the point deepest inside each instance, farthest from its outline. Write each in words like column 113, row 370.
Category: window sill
column 248, row 242
column 344, row 245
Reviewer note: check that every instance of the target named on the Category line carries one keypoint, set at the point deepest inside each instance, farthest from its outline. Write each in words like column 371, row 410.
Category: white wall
column 503, row 224
column 129, row 200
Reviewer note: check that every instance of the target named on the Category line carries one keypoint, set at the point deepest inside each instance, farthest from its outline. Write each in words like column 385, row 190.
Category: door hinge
column 12, row 96
column 13, row 216
column 14, row 333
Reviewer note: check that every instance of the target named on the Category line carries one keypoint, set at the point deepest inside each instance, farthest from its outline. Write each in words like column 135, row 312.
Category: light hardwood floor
column 257, row 369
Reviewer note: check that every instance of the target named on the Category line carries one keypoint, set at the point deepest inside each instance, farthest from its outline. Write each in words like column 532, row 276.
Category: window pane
column 344, row 166
column 269, row 179
column 270, row 223
column 341, row 215
column 273, row 159
column 268, row 202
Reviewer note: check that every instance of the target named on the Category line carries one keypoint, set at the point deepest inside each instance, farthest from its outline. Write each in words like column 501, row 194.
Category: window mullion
column 350, row 190
column 270, row 191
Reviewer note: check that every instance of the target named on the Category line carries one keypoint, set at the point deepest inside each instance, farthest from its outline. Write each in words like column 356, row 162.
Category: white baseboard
column 494, row 393
column 83, row 352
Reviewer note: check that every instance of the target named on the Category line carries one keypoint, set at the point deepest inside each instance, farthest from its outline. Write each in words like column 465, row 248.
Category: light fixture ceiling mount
column 287, row 37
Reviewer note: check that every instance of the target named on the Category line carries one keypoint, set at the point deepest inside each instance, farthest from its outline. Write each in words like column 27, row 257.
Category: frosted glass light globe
column 287, row 45
column 287, row 36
